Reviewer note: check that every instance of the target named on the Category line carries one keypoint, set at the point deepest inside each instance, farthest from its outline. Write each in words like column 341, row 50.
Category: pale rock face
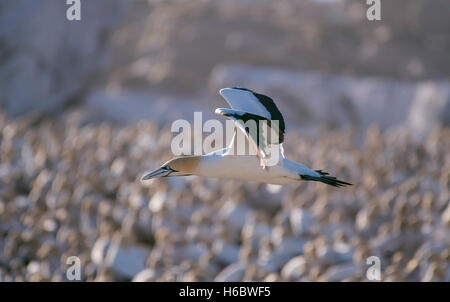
column 41, row 67
column 431, row 108
column 314, row 98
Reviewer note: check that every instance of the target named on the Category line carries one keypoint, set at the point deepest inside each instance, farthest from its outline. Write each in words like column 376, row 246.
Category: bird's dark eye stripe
column 169, row 168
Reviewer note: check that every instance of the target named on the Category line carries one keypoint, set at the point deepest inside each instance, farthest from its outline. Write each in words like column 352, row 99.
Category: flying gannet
column 247, row 105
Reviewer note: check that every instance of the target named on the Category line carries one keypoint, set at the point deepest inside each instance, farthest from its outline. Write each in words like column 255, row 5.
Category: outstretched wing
column 250, row 108
column 246, row 100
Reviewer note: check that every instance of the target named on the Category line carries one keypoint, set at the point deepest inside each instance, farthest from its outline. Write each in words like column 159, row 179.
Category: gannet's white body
column 248, row 167
column 247, row 105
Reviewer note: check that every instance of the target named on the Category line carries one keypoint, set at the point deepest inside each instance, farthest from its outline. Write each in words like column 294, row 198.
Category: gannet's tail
column 329, row 180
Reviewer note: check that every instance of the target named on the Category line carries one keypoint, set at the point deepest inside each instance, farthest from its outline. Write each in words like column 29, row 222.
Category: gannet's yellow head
column 179, row 166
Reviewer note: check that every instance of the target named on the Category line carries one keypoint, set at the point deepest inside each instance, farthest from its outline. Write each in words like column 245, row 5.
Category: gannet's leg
column 262, row 162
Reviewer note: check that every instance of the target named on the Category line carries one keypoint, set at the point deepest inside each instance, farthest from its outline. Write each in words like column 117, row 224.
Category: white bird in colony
column 247, row 105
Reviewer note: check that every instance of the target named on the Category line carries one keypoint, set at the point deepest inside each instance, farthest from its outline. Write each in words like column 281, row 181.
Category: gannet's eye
column 167, row 167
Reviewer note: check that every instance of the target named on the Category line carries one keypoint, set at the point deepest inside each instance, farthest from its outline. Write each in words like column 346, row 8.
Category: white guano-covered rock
column 48, row 60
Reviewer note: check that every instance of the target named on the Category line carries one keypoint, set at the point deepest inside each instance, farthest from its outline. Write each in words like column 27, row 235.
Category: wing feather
column 246, row 100
column 246, row 106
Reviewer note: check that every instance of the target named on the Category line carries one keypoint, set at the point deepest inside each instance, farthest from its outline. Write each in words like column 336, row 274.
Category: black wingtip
column 333, row 181
column 329, row 180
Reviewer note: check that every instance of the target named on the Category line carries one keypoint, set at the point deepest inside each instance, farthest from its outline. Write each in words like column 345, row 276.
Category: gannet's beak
column 161, row 172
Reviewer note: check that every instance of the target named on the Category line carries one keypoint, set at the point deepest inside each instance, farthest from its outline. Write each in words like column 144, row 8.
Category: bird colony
column 71, row 188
